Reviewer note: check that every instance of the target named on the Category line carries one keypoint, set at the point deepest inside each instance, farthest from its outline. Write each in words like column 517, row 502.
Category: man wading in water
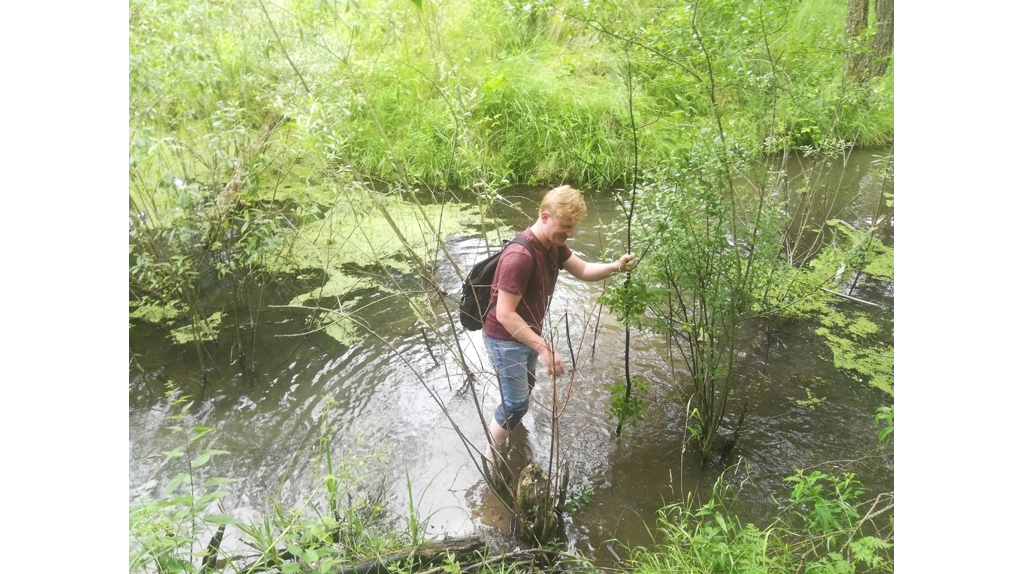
column 520, row 294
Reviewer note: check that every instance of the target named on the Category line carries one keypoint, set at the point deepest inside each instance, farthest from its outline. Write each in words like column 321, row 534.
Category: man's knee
column 508, row 417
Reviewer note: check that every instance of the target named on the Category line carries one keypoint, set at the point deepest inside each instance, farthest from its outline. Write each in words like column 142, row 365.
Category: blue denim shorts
column 517, row 366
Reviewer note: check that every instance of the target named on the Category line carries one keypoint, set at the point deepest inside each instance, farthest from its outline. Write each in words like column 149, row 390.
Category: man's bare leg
column 498, row 438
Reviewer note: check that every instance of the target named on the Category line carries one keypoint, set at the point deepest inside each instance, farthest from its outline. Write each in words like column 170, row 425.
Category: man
column 520, row 295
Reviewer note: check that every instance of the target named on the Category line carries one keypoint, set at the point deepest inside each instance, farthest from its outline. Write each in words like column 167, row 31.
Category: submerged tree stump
column 529, row 494
column 535, row 504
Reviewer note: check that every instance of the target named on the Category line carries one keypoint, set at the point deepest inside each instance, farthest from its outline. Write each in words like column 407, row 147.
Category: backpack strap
column 522, row 240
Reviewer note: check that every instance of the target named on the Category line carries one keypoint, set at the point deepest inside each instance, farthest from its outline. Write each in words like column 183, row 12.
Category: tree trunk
column 881, row 47
column 229, row 196
column 856, row 22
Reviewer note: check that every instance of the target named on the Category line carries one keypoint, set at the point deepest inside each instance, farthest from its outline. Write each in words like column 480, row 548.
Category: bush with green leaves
column 723, row 261
column 711, row 265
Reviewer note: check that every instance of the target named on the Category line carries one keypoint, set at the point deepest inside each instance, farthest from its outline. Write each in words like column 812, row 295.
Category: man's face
column 560, row 230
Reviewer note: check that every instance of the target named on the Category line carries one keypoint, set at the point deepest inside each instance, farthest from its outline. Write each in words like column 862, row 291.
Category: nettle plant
column 165, row 533
column 823, row 526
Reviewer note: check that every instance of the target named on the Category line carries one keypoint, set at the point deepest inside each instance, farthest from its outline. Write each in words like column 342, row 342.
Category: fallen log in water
column 425, row 556
column 527, row 557
column 470, row 553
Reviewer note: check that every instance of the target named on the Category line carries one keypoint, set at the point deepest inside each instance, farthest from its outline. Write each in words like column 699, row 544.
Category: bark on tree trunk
column 881, row 47
column 856, row 22
column 228, row 197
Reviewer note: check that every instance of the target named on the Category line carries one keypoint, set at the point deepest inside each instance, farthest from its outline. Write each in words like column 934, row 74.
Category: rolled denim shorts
column 517, row 366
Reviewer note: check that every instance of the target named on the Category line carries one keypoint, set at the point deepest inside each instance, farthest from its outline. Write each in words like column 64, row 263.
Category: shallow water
column 382, row 394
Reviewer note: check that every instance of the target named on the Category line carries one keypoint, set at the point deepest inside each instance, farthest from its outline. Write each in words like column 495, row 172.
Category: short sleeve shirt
column 518, row 273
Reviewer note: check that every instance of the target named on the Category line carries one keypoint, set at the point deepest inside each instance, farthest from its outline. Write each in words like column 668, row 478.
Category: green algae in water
column 352, row 238
column 341, row 328
column 152, row 313
column 881, row 263
column 338, row 286
column 204, row 331
column 364, row 237
column 859, row 346
column 353, row 243
column 855, row 339
column 855, row 351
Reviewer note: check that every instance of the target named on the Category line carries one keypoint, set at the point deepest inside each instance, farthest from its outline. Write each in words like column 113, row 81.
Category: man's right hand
column 552, row 360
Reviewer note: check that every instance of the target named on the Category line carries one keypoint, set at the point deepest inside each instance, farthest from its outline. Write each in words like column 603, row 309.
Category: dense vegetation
column 340, row 139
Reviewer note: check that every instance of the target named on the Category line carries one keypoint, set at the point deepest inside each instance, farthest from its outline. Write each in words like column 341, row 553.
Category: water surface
column 382, row 394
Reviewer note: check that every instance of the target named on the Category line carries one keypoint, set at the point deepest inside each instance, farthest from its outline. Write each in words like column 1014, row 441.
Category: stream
column 381, row 393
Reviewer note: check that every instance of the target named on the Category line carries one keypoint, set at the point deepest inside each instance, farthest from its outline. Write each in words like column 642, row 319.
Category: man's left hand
column 627, row 262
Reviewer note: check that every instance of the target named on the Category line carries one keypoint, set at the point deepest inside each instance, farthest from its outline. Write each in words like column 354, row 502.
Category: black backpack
column 476, row 289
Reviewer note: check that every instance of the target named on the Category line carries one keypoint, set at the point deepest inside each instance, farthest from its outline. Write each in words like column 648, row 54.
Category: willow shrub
column 712, row 265
column 719, row 261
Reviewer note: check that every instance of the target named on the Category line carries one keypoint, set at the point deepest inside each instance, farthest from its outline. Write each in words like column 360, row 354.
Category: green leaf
column 178, row 480
column 176, row 453
column 721, row 521
column 310, row 556
column 222, row 519
column 328, row 565
column 204, row 457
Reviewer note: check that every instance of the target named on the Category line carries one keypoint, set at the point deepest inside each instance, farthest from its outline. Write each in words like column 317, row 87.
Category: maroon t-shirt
column 518, row 273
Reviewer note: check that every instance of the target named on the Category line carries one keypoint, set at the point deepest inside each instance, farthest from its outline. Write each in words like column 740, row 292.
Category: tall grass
column 823, row 527
column 463, row 92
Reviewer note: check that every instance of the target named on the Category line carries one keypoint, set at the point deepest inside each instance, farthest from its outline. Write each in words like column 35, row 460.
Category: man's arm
column 580, row 269
column 521, row 331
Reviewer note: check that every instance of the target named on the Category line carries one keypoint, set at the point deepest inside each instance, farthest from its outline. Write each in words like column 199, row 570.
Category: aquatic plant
column 823, row 526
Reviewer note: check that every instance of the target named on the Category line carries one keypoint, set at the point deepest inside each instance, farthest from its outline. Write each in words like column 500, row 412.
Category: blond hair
column 564, row 203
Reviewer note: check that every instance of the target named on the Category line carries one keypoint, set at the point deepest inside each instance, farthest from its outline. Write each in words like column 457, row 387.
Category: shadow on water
column 383, row 389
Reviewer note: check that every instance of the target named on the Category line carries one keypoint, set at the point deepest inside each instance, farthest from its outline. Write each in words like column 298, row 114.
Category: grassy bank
column 459, row 93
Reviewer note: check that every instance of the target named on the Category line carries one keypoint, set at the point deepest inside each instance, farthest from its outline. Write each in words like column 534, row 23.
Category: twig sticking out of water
column 426, row 342
column 854, row 299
